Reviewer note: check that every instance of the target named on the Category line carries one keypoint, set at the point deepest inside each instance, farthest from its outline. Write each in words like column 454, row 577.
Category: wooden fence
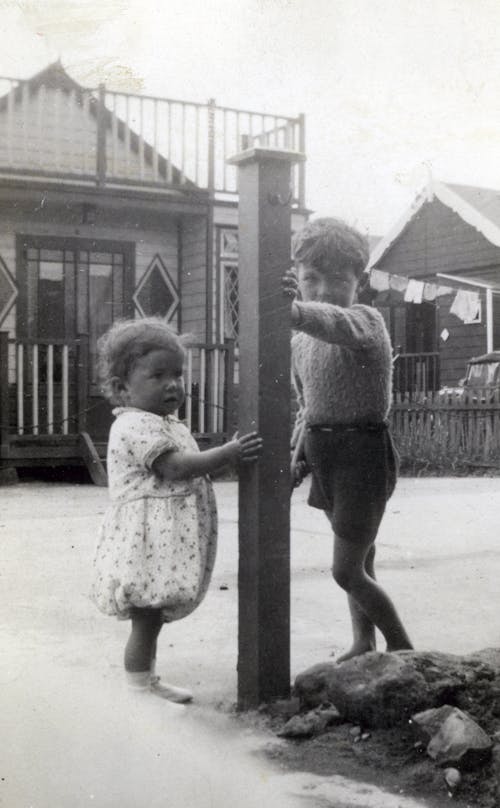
column 448, row 432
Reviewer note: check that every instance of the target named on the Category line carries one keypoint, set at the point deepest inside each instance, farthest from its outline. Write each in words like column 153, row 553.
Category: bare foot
column 399, row 647
column 356, row 650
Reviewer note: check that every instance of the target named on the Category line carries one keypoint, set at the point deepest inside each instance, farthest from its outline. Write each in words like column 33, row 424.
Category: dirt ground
column 76, row 738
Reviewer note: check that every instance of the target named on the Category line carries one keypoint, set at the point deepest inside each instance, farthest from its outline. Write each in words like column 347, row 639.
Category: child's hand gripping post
column 247, row 448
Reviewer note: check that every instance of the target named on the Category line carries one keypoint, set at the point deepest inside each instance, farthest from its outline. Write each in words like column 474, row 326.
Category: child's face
column 156, row 382
column 338, row 287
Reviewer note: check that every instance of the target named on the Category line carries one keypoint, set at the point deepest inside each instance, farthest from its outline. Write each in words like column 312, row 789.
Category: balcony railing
column 98, row 136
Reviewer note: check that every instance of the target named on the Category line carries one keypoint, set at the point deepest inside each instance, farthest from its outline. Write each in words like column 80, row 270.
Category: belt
column 336, row 428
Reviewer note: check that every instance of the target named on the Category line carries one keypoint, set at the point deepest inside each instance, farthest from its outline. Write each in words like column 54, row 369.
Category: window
column 228, row 291
column 230, row 301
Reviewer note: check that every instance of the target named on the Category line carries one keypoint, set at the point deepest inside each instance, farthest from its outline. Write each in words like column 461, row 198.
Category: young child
column 342, row 365
column 156, row 548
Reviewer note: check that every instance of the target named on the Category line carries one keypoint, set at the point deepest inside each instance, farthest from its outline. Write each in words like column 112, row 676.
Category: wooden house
column 115, row 205
column 450, row 239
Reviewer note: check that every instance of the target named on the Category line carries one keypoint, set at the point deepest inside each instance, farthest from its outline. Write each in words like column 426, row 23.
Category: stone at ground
column 284, row 708
column 455, row 739
column 312, row 723
column 452, row 778
column 385, row 689
column 495, row 761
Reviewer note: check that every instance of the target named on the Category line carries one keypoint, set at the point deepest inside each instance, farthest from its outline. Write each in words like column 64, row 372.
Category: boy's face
column 338, row 287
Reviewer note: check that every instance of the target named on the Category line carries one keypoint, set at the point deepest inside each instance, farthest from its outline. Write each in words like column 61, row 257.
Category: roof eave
column 439, row 190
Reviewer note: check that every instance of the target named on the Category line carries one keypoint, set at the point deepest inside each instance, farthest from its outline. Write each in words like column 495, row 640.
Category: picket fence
column 448, row 431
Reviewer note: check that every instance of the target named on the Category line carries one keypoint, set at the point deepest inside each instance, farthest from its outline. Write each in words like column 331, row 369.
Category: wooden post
column 4, row 392
column 489, row 320
column 209, row 330
column 101, row 136
column 264, row 405
column 82, row 380
column 302, row 172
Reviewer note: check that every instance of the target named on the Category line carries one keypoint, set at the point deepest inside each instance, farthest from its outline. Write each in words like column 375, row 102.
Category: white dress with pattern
column 157, row 544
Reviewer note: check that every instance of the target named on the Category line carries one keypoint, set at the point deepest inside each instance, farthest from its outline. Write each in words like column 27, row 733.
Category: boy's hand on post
column 299, row 471
column 247, row 448
column 290, row 284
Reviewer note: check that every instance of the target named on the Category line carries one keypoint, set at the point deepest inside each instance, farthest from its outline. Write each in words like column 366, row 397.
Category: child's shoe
column 179, row 695
column 139, row 682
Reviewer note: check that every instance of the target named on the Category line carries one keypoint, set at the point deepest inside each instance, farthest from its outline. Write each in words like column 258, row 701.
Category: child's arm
column 175, row 465
column 358, row 327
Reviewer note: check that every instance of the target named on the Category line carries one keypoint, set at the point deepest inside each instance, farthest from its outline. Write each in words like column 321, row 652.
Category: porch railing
column 41, row 393
column 45, row 387
column 114, row 138
column 209, row 404
column 415, row 373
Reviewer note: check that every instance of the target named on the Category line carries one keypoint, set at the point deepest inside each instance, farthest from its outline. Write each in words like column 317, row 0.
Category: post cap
column 258, row 154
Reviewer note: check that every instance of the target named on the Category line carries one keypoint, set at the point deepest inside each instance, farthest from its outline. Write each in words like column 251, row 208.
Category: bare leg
column 363, row 630
column 141, row 645
column 351, row 573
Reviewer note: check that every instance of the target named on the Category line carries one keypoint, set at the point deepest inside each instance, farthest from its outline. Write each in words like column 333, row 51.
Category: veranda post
column 265, row 198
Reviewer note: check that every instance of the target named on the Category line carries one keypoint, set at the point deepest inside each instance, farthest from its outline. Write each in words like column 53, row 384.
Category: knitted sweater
column 342, row 365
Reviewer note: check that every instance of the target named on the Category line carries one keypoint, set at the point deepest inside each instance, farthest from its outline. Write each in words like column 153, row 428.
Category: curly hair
column 328, row 243
column 126, row 342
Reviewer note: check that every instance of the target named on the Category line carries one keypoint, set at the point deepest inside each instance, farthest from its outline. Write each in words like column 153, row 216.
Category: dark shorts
column 354, row 471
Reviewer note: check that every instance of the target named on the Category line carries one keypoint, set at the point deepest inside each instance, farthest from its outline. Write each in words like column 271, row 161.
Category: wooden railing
column 415, row 373
column 115, row 138
column 209, row 374
column 45, row 387
column 39, row 375
column 447, row 430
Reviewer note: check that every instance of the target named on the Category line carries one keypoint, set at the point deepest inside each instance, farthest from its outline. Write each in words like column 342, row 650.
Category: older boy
column 342, row 372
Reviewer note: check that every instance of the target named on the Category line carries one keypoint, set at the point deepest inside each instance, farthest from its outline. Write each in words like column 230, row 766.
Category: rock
column 312, row 723
column 452, row 778
column 377, row 690
column 495, row 760
column 286, row 708
column 382, row 690
column 454, row 737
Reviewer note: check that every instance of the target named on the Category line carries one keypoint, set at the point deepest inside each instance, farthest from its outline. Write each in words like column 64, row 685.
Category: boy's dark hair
column 328, row 243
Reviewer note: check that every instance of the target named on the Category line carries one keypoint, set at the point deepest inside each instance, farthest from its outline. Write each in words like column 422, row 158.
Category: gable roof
column 54, row 77
column 478, row 207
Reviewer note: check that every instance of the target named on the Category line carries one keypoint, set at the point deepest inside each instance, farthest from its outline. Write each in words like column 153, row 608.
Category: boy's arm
column 358, row 327
column 299, row 415
column 298, row 463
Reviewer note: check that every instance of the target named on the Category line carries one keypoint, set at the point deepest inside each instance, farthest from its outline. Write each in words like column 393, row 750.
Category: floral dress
column 156, row 547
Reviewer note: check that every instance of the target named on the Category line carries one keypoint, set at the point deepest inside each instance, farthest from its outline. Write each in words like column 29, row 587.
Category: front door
column 70, row 291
